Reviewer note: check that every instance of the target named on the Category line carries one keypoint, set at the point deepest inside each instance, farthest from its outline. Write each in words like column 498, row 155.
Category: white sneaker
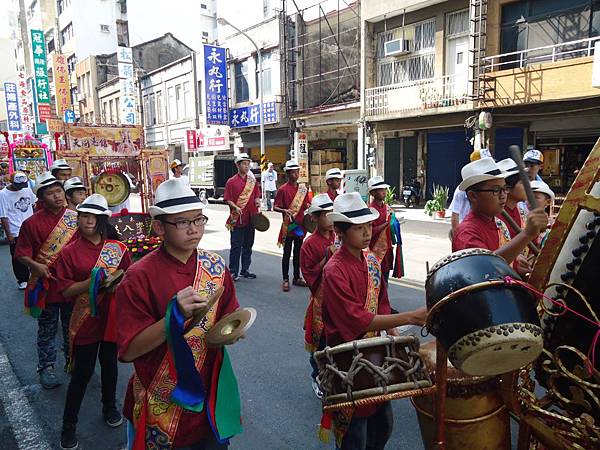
column 317, row 389
column 23, row 285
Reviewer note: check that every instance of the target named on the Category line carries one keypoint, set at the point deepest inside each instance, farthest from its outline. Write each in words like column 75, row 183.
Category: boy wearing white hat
column 41, row 239
column 61, row 170
column 381, row 236
column 355, row 306
column 545, row 198
column 155, row 312
column 316, row 251
column 16, row 206
column 242, row 194
column 291, row 201
column 75, row 191
column 486, row 189
column 81, row 268
column 333, row 178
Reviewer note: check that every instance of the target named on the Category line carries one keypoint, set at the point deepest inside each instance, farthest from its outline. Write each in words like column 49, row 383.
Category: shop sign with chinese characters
column 13, row 115
column 23, row 94
column 42, row 85
column 127, row 86
column 62, row 86
column 215, row 86
column 248, row 116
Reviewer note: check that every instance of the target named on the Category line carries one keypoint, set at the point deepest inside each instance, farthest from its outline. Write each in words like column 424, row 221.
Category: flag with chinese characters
column 62, row 86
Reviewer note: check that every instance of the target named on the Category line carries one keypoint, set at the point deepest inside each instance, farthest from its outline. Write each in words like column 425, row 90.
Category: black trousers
column 242, row 240
column 370, row 433
column 85, row 361
column 287, row 251
column 20, row 270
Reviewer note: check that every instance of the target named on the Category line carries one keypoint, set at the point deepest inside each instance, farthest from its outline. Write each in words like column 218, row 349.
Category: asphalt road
column 280, row 410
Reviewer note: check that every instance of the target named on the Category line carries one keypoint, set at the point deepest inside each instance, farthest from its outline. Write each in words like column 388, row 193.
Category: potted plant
column 437, row 205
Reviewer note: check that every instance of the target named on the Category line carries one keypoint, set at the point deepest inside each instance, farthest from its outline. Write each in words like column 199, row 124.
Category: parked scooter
column 412, row 194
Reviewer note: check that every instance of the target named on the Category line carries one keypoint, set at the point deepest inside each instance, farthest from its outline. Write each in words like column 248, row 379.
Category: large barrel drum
column 487, row 325
column 475, row 415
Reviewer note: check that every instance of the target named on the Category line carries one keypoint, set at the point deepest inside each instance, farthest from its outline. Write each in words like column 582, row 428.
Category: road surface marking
column 23, row 421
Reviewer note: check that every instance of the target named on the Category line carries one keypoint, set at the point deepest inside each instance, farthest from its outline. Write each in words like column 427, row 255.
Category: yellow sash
column 60, row 235
column 294, row 208
column 503, row 233
column 162, row 415
column 110, row 258
column 241, row 202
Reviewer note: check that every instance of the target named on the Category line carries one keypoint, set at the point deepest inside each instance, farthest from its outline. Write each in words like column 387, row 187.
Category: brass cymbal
column 231, row 327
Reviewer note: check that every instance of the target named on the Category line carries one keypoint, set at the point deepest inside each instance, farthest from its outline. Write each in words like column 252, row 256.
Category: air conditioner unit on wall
column 397, row 47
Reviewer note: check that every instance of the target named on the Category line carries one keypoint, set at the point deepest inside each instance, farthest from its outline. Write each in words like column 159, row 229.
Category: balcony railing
column 432, row 93
column 550, row 53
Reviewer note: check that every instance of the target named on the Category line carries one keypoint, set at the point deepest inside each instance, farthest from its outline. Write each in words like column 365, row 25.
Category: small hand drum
column 261, row 222
column 112, row 186
column 378, row 368
column 231, row 327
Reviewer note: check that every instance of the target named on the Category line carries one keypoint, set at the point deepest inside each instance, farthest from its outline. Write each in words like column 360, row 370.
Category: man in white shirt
column 269, row 185
column 459, row 207
column 177, row 168
column 16, row 205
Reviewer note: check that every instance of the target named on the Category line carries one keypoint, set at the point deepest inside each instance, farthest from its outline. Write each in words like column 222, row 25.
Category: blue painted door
column 447, row 153
column 505, row 137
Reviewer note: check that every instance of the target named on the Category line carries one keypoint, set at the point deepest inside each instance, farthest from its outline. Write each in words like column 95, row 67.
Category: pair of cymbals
column 231, row 328
column 112, row 279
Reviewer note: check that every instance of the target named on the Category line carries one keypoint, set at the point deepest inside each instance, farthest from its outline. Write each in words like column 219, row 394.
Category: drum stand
column 441, row 370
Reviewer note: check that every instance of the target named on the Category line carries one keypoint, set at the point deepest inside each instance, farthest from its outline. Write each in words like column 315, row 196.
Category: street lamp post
column 223, row 21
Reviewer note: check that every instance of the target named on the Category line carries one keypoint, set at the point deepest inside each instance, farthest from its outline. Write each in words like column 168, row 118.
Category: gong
column 114, row 187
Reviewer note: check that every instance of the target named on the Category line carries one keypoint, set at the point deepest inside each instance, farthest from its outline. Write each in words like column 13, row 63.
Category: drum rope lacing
column 591, row 355
column 381, row 375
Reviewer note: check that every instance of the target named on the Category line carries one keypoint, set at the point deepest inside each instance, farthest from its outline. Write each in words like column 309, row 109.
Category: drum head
column 309, row 224
column 261, row 222
column 114, row 187
column 231, row 327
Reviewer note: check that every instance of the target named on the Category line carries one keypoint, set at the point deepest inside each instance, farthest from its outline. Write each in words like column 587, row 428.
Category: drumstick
column 515, row 152
column 517, row 228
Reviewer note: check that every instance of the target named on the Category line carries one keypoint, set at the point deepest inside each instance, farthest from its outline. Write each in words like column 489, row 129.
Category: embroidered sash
column 60, row 235
column 341, row 419
column 503, row 233
column 110, row 258
column 384, row 240
column 241, row 202
column 294, row 207
column 313, row 321
column 156, row 417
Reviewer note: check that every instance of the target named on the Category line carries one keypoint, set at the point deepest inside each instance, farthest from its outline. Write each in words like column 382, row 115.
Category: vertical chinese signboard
column 13, row 114
column 215, row 86
column 23, row 94
column 126, row 85
column 42, row 86
column 301, row 155
column 62, row 86
column 190, row 140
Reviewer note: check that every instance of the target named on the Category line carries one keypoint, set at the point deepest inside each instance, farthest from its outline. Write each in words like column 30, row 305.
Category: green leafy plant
column 438, row 201
column 390, row 195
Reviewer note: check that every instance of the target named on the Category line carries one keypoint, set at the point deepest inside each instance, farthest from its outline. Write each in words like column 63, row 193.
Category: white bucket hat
column 174, row 196
column 320, row 202
column 291, row 165
column 95, row 204
column 242, row 157
column 44, row 180
column 540, row 186
column 508, row 166
column 333, row 173
column 377, row 183
column 60, row 164
column 483, row 169
column 351, row 208
column 74, row 183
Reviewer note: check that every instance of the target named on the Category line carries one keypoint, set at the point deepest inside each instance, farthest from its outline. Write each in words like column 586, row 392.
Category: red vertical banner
column 191, row 140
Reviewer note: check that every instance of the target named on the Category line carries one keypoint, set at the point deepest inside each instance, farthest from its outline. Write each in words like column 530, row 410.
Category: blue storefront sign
column 13, row 114
column 215, row 86
column 248, row 116
column 69, row 116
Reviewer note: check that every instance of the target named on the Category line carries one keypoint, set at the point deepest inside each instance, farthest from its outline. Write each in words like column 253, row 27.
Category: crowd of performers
column 183, row 393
